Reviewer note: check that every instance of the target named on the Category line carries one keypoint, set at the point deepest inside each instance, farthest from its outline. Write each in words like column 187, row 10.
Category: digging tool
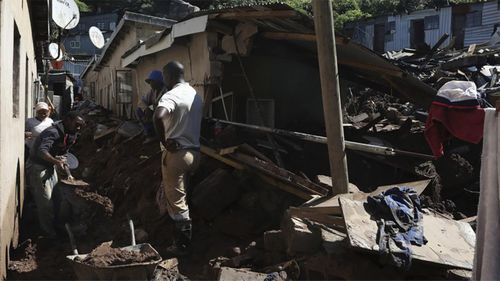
column 70, row 180
column 71, row 162
column 71, row 239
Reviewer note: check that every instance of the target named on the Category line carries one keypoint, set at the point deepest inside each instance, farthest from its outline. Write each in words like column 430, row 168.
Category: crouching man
column 177, row 120
column 49, row 146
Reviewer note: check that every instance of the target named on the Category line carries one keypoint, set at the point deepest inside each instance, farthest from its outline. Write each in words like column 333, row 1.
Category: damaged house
column 466, row 24
column 242, row 57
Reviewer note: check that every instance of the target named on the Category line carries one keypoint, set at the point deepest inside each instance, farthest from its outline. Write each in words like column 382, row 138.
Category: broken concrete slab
column 274, row 241
column 450, row 243
column 330, row 205
column 232, row 274
column 299, row 237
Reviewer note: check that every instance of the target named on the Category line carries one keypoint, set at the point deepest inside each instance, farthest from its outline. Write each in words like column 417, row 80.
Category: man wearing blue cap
column 148, row 104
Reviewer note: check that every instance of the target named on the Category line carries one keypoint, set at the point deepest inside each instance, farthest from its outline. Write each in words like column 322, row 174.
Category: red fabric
column 444, row 123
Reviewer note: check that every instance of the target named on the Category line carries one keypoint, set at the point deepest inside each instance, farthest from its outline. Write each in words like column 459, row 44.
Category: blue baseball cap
column 155, row 75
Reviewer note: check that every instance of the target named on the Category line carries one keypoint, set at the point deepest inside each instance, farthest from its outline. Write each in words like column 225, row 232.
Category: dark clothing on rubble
column 399, row 217
column 53, row 140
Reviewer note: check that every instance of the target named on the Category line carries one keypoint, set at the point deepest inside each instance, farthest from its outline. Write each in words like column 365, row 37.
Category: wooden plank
column 227, row 150
column 331, row 205
column 469, row 220
column 212, row 153
column 248, row 148
column 279, row 173
column 475, row 60
column 450, row 242
column 269, row 14
column 328, row 220
column 330, row 93
column 286, row 187
column 289, row 36
column 105, row 133
column 274, row 182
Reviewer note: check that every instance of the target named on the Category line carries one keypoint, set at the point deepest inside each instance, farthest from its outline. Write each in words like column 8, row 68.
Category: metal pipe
column 356, row 146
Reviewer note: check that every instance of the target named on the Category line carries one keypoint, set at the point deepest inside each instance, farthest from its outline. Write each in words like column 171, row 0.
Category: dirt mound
column 24, row 258
column 104, row 255
column 104, row 202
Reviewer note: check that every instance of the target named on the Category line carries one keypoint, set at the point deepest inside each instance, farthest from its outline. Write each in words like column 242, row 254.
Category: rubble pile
column 254, row 219
column 479, row 63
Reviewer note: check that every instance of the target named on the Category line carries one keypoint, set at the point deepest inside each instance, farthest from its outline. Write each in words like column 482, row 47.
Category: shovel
column 70, row 180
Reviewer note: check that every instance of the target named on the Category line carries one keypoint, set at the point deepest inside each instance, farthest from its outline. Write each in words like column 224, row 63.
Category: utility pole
column 330, row 91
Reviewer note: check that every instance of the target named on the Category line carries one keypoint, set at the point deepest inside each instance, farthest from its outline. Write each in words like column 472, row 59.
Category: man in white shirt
column 35, row 125
column 178, row 120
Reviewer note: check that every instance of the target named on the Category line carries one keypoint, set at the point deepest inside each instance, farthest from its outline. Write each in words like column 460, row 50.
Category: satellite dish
column 65, row 13
column 96, row 37
column 54, row 52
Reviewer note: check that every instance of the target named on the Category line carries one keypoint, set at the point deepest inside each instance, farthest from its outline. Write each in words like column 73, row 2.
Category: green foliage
column 82, row 6
column 348, row 16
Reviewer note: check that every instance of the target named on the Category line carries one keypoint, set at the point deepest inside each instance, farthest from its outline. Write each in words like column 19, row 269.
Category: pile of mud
column 104, row 256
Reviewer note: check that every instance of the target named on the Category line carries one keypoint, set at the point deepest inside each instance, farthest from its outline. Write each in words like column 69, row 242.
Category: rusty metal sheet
column 450, row 242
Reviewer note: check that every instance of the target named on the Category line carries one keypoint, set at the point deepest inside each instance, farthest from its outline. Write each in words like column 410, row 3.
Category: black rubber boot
column 182, row 238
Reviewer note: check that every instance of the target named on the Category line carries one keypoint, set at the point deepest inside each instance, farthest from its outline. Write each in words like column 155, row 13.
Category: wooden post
column 330, row 90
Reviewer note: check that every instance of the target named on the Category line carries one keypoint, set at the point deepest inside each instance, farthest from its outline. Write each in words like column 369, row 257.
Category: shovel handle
column 71, row 239
column 68, row 172
column 132, row 231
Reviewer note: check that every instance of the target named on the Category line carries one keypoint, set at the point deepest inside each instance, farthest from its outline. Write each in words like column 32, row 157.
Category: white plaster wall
column 12, row 129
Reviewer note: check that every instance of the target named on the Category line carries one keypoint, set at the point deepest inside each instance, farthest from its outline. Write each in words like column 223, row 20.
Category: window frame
column 431, row 22
column 119, row 94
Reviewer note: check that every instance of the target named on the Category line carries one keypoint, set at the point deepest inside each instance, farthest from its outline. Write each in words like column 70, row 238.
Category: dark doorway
column 379, row 38
column 417, row 33
column 458, row 27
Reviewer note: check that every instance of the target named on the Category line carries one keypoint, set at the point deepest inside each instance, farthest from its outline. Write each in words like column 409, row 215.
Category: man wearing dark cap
column 148, row 104
column 178, row 121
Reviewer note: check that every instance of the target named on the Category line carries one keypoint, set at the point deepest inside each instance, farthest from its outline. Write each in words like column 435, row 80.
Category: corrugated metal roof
column 300, row 22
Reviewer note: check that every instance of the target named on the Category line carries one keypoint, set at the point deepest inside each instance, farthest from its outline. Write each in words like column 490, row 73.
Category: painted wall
column 364, row 31
column 105, row 78
column 13, row 13
column 482, row 33
column 403, row 24
column 192, row 53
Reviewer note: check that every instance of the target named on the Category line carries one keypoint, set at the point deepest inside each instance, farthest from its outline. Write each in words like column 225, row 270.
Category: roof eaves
column 88, row 67
column 132, row 17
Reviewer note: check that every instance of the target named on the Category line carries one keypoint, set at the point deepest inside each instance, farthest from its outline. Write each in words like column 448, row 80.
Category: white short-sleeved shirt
column 186, row 109
column 36, row 126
